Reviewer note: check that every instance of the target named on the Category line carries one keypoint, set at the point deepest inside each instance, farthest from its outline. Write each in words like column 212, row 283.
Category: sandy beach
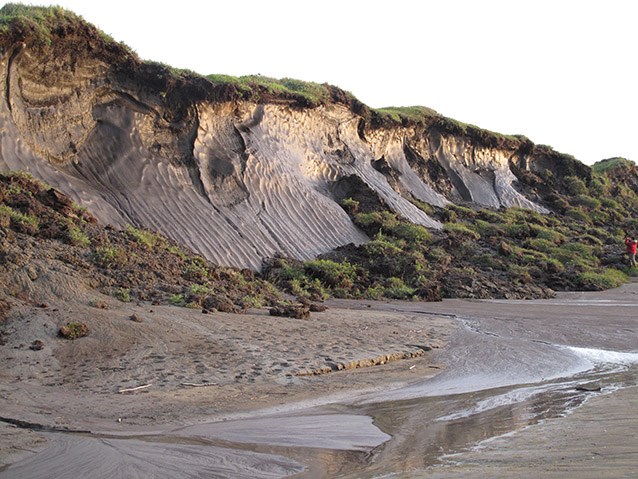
column 364, row 389
column 197, row 366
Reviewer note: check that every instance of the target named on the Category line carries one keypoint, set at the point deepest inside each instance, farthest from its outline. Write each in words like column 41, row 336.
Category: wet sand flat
column 485, row 397
column 598, row 440
column 198, row 367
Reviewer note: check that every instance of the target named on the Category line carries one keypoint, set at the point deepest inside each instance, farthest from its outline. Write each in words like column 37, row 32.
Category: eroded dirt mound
column 43, row 232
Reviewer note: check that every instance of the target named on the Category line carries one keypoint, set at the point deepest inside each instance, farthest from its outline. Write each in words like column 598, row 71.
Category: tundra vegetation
column 483, row 253
column 479, row 253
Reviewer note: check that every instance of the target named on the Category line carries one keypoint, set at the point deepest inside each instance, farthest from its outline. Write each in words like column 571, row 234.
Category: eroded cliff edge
column 237, row 177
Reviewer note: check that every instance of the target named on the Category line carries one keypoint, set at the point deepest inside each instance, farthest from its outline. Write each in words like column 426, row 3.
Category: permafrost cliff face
column 238, row 181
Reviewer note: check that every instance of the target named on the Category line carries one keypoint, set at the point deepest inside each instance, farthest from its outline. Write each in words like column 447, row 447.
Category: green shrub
column 577, row 255
column 449, row 215
column 144, row 238
column 250, row 301
column 24, row 223
column 199, row 290
column 599, row 217
column 397, row 289
column 411, row 232
column 490, row 216
column 586, row 202
column 610, row 164
column 591, row 240
column 196, row 271
column 579, row 248
column 438, row 255
column 520, row 273
column 578, row 214
column 549, row 234
column 369, row 221
column 560, row 204
column 609, row 203
column 289, row 272
column 254, row 86
column 314, row 288
column 331, row 273
column 459, row 230
column 599, row 186
column 596, row 281
column 380, row 246
column 122, row 294
column 540, row 244
column 487, row 229
column 176, row 299
column 489, row 260
column 602, row 235
column 373, row 292
column 177, row 251
column 461, row 211
column 425, row 207
column 77, row 237
column 522, row 215
column 73, row 331
column 575, row 185
column 414, row 113
column 553, row 265
column 5, row 216
column 109, row 257
column 516, row 230
column 350, row 205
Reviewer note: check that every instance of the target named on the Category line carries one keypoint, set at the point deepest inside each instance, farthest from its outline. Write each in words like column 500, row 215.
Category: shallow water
column 511, row 365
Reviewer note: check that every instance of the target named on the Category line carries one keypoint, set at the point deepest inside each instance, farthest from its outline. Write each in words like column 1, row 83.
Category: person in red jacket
column 632, row 245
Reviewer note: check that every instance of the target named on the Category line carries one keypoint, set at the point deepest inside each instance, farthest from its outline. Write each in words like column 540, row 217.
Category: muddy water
column 511, row 365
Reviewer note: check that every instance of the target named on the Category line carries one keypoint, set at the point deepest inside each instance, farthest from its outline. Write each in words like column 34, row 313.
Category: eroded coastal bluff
column 237, row 175
column 210, row 276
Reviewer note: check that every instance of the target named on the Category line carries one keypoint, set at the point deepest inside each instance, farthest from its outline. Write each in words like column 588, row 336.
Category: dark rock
column 303, row 300
column 297, row 311
column 136, row 318
column 219, row 303
column 37, row 345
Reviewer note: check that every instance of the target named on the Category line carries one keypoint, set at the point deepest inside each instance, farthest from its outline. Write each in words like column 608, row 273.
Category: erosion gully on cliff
column 236, row 177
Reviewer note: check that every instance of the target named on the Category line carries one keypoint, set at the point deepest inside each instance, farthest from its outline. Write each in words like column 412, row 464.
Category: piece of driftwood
column 128, row 390
column 199, row 385
column 588, row 387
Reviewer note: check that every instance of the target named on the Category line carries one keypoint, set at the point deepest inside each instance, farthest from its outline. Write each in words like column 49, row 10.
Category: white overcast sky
column 563, row 73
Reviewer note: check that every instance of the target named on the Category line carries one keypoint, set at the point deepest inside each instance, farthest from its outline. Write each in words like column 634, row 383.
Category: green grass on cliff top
column 43, row 21
column 611, row 164
column 315, row 94
column 12, row 12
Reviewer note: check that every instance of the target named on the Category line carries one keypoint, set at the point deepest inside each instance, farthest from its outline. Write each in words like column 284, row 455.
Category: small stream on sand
column 511, row 365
